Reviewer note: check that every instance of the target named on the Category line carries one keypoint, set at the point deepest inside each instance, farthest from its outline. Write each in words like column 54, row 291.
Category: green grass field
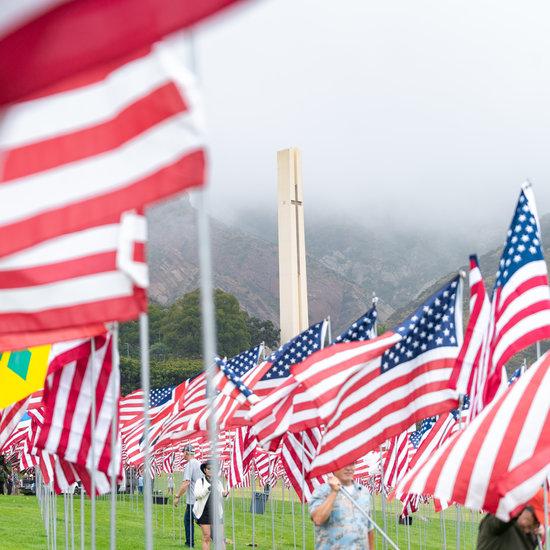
column 22, row 527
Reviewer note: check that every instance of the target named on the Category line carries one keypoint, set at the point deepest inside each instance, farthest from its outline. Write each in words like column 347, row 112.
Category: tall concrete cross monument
column 292, row 251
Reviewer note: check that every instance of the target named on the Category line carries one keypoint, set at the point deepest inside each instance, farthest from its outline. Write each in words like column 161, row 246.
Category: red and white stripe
column 130, row 406
column 74, row 372
column 294, row 407
column 468, row 370
column 488, row 465
column 97, row 145
column 91, row 276
column 297, row 453
column 242, row 453
column 69, row 29
column 397, row 458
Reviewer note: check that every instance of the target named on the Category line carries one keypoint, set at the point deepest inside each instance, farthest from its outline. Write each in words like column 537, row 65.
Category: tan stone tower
column 292, row 252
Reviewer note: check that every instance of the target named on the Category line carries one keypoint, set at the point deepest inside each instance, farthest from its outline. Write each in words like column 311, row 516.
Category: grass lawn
column 21, row 525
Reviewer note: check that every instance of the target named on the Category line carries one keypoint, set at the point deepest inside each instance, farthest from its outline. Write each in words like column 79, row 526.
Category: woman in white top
column 202, row 509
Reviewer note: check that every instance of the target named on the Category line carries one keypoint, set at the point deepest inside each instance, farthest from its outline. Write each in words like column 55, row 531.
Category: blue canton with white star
column 242, row 363
column 233, row 376
column 295, row 351
column 465, row 407
column 431, row 326
column 363, row 329
column 425, row 426
column 515, row 375
column 523, row 244
column 160, row 396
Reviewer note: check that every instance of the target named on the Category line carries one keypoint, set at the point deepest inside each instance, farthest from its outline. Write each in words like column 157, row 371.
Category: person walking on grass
column 191, row 474
column 203, row 504
column 338, row 524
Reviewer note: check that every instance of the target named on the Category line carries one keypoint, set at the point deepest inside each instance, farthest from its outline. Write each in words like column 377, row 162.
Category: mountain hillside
column 244, row 265
column 488, row 264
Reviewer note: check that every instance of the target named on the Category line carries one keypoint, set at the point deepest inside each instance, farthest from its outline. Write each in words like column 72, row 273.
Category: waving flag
column 406, row 383
column 362, row 329
column 97, row 146
column 505, row 449
column 81, row 279
column 48, row 40
column 469, row 372
column 520, row 308
column 75, row 371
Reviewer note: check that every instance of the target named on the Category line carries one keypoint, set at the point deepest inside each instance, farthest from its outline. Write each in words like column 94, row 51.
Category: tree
column 181, row 325
column 263, row 331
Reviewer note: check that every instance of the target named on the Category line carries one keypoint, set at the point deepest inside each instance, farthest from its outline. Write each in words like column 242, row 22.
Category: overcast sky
column 427, row 111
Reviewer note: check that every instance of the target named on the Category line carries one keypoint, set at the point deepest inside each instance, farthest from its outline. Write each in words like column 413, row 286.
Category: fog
column 423, row 113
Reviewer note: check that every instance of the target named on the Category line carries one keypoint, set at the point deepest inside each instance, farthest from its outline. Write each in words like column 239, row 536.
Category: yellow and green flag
column 22, row 373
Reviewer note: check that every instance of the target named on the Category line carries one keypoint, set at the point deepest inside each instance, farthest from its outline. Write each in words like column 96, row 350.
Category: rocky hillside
column 244, row 265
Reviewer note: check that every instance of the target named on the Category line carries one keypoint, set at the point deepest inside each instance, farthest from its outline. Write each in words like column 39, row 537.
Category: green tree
column 181, row 325
column 263, row 331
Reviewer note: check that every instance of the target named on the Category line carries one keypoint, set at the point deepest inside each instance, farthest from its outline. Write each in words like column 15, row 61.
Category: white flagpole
column 147, row 485
column 253, row 489
column 383, row 496
column 66, row 519
column 209, row 355
column 303, row 480
column 82, row 517
column 92, row 446
column 114, row 432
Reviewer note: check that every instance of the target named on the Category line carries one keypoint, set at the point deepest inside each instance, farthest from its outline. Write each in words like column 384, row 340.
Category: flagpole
column 147, row 485
column 82, row 518
column 383, row 495
column 115, row 390
column 92, row 445
column 209, row 356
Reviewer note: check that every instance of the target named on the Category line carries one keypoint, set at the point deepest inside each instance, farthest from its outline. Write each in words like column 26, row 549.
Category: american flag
column 72, row 47
column 297, row 452
column 504, row 450
column 406, row 383
column 241, row 456
column 10, row 418
column 130, row 406
column 520, row 312
column 397, row 458
column 468, row 370
column 163, row 403
column 81, row 278
column 362, row 329
column 417, row 436
column 272, row 373
column 74, row 372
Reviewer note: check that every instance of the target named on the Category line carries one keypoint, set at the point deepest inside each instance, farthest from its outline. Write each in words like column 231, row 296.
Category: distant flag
column 469, row 371
column 362, row 329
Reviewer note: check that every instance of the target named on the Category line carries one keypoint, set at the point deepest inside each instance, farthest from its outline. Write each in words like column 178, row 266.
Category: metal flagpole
column 253, row 489
column 344, row 491
column 66, row 518
column 82, row 518
column 147, row 485
column 303, row 481
column 293, row 516
column 54, row 517
column 547, row 541
column 272, row 517
column 383, row 495
column 92, row 445
column 72, row 518
column 283, row 510
column 233, row 517
column 115, row 389
column 209, row 355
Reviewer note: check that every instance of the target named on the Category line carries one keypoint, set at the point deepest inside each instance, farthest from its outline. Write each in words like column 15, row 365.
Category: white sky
column 424, row 111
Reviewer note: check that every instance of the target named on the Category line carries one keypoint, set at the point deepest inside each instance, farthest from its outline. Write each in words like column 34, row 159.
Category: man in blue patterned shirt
column 338, row 523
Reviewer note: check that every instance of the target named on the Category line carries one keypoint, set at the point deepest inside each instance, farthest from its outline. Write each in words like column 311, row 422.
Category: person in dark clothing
column 520, row 533
column 4, row 474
